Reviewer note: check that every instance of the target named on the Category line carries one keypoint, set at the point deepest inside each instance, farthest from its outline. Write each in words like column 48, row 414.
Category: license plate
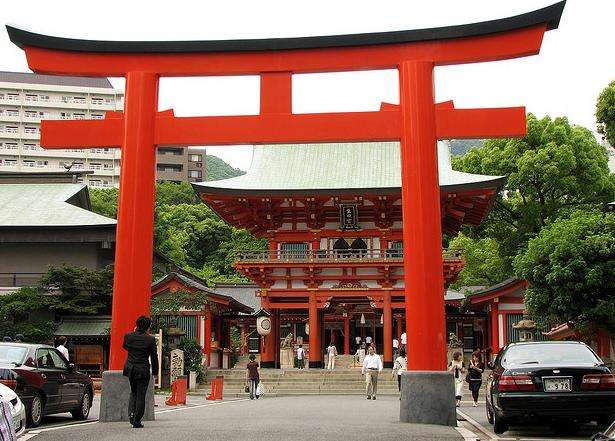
column 557, row 384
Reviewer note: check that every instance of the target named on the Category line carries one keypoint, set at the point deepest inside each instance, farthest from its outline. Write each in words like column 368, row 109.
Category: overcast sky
column 575, row 64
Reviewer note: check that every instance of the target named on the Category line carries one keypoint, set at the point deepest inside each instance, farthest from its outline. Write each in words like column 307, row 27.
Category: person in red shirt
column 252, row 376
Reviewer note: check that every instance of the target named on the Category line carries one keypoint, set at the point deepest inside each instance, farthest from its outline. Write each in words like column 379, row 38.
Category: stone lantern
column 526, row 328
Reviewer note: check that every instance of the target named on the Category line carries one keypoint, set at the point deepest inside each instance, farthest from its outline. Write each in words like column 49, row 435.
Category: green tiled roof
column 84, row 326
column 335, row 166
column 47, row 205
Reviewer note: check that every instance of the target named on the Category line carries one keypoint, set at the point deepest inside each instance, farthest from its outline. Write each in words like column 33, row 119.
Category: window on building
column 65, row 115
column 12, row 112
column 10, row 162
column 29, row 146
column 30, row 114
column 78, row 115
column 396, row 249
column 31, row 97
column 293, row 250
column 195, row 174
column 66, row 99
column 28, row 163
column 11, row 129
column 195, row 158
column 108, row 166
column 44, row 97
column 11, row 145
column 95, row 166
column 169, row 167
column 98, row 116
column 12, row 96
column 79, row 99
column 30, row 130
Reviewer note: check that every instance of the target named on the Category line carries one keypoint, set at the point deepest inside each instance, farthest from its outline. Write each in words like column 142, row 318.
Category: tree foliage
column 571, row 269
column 605, row 113
column 216, row 168
column 484, row 264
column 78, row 290
column 555, row 169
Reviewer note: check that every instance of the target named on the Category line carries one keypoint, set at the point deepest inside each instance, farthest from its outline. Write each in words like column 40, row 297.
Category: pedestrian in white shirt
column 300, row 357
column 357, row 341
column 62, row 348
column 399, row 367
column 331, row 354
column 372, row 365
column 395, row 348
column 404, row 339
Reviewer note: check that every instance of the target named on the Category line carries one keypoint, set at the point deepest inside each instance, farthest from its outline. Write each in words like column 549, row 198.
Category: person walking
column 395, row 347
column 300, row 357
column 141, row 349
column 252, row 376
column 62, row 347
column 457, row 367
column 372, row 366
column 403, row 340
column 475, row 375
column 399, row 366
column 331, row 354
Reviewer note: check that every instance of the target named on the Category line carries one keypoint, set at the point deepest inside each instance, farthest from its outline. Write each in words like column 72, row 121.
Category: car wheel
column 489, row 413
column 35, row 412
column 82, row 412
column 499, row 424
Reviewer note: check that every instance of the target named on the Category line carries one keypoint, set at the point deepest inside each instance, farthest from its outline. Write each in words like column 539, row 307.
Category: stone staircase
column 280, row 382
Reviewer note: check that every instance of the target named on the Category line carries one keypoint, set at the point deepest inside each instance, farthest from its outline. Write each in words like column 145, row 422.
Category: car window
column 12, row 354
column 548, row 353
column 58, row 361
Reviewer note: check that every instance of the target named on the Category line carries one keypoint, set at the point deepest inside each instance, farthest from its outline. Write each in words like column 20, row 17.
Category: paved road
column 283, row 418
column 533, row 432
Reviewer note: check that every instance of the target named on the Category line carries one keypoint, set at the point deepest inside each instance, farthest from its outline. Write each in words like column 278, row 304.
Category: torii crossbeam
column 417, row 122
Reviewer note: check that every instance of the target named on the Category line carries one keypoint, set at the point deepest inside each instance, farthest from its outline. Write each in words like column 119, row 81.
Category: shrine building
column 332, row 216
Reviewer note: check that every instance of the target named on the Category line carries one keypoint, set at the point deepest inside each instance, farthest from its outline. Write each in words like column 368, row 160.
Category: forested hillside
column 216, row 168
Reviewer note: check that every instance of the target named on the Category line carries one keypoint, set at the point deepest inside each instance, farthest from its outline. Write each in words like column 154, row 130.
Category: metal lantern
column 307, row 329
column 362, row 319
column 382, row 319
column 263, row 325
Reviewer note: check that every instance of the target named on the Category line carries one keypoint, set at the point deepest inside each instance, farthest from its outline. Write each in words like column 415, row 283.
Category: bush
column 193, row 357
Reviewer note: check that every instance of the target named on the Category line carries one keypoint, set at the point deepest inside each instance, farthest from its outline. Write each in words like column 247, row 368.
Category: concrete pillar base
column 115, row 396
column 428, row 397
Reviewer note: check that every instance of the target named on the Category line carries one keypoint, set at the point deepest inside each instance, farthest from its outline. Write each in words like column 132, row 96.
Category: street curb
column 476, row 425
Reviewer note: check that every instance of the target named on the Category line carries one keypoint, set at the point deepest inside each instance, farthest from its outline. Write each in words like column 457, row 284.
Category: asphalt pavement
column 269, row 418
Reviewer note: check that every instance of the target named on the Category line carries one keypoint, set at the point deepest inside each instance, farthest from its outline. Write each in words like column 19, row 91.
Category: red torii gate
column 417, row 122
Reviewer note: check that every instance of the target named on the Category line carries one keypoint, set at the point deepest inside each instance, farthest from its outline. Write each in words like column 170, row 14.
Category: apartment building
column 26, row 99
column 177, row 164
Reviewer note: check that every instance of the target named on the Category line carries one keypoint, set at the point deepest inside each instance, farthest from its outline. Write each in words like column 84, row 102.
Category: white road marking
column 477, row 425
column 32, row 433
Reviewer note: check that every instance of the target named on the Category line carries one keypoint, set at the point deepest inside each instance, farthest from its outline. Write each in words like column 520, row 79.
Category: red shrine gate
column 417, row 122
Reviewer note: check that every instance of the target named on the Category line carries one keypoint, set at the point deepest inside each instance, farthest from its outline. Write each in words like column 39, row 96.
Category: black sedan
column 44, row 381
column 559, row 383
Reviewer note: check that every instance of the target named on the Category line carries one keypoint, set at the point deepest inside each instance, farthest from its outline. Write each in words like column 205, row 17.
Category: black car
column 559, row 383
column 45, row 381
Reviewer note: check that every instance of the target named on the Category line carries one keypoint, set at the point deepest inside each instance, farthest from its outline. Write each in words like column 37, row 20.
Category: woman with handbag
column 458, row 369
column 252, row 377
column 475, row 375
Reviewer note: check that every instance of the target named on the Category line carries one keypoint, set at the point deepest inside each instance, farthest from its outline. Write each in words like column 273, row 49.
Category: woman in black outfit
column 475, row 375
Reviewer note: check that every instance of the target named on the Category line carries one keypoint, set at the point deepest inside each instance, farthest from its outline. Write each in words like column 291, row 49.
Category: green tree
column 16, row 313
column 555, row 169
column 484, row 264
column 216, row 168
column 79, row 290
column 104, row 201
column 571, row 269
column 170, row 193
column 605, row 113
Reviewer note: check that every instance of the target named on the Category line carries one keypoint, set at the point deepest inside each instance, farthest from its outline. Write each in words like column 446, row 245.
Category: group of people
column 473, row 375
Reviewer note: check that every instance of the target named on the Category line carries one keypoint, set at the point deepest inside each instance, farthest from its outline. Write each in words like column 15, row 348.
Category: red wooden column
column 347, row 335
column 315, row 351
column 134, row 236
column 398, row 330
column 387, row 324
column 422, row 235
column 268, row 347
column 207, row 346
column 495, row 328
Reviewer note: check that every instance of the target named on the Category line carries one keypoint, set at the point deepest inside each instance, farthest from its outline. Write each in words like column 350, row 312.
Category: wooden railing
column 325, row 256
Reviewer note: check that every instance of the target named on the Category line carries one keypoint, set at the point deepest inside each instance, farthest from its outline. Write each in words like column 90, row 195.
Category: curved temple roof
column 308, row 169
column 548, row 16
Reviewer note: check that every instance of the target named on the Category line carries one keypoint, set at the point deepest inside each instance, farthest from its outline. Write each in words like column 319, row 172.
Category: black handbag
column 246, row 389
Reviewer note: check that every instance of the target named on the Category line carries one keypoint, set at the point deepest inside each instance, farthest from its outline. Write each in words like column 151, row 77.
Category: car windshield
column 12, row 354
column 550, row 353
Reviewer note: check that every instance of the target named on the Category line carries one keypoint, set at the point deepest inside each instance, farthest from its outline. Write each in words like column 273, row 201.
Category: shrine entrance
column 416, row 123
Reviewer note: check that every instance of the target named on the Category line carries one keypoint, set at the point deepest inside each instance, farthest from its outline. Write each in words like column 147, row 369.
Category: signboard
column 349, row 217
column 177, row 364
